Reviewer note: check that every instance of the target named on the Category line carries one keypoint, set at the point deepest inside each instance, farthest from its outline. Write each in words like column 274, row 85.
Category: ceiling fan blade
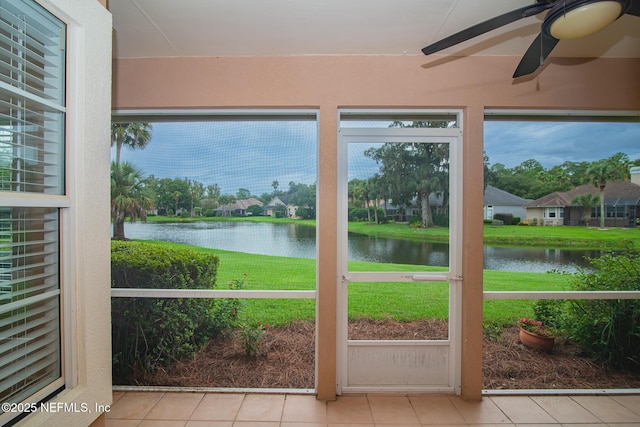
column 634, row 8
column 536, row 54
column 486, row 26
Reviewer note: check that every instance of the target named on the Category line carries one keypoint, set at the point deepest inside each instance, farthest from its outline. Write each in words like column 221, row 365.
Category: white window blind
column 29, row 301
column 32, row 141
column 32, row 109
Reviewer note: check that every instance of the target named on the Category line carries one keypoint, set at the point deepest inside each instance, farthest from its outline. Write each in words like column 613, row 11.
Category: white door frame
column 443, row 360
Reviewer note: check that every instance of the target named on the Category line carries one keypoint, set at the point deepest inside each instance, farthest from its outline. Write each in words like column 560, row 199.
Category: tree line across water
column 407, row 173
column 530, row 180
column 133, row 195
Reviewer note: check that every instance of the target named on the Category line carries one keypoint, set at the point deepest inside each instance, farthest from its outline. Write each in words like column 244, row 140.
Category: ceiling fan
column 566, row 19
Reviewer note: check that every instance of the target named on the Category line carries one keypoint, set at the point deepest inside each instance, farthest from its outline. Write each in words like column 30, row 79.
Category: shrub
column 506, row 218
column 254, row 210
column 373, row 211
column 357, row 214
column 493, row 331
column 303, row 213
column 415, row 221
column 552, row 313
column 151, row 332
column 609, row 329
column 251, row 335
column 226, row 311
column 441, row 220
column 438, row 219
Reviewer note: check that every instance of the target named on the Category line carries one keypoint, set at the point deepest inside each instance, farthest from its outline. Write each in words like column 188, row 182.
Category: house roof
column 241, row 204
column 283, row 199
column 615, row 193
column 551, row 200
column 498, row 197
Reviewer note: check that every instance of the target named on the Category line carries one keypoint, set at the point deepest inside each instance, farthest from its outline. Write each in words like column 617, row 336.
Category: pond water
column 293, row 240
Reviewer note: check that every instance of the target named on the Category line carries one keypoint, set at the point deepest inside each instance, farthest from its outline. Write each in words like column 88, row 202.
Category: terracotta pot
column 536, row 342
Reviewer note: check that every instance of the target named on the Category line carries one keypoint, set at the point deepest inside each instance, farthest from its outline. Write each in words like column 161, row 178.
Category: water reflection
column 534, row 259
column 379, row 249
column 287, row 240
column 292, row 240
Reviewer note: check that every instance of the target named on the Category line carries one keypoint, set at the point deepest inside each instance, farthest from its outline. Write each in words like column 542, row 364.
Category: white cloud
column 552, row 143
column 245, row 154
column 234, row 155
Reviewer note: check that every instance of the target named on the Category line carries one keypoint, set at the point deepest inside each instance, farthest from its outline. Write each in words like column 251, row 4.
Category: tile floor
column 169, row 409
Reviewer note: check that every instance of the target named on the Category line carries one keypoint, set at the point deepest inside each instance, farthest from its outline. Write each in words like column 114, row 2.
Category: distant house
column 500, row 201
column 280, row 204
column 495, row 201
column 622, row 206
column 405, row 213
column 239, row 208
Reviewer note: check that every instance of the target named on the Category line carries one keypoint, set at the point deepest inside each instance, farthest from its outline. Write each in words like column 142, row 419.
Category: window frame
column 541, row 115
column 34, row 194
column 84, row 216
column 190, row 115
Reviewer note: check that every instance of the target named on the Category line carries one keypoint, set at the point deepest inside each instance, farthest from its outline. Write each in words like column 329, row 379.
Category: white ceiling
column 171, row 28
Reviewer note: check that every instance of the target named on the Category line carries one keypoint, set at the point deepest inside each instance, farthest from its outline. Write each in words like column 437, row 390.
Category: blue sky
column 553, row 143
column 244, row 154
column 240, row 154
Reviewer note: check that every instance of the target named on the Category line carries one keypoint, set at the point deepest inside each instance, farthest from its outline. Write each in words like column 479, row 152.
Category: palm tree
column 599, row 174
column 355, row 191
column 586, row 202
column 129, row 197
column 366, row 194
column 133, row 135
column 622, row 165
column 176, row 197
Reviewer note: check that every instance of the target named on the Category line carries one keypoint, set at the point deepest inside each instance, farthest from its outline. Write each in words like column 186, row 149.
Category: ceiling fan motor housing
column 566, row 19
column 580, row 18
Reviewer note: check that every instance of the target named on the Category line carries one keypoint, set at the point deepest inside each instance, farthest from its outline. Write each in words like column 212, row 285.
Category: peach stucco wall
column 325, row 81
column 332, row 82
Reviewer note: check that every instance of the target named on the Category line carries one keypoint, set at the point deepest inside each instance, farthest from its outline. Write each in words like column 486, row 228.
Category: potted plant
column 535, row 335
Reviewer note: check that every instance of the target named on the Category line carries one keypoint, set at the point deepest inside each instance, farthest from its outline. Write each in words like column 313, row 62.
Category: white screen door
column 399, row 251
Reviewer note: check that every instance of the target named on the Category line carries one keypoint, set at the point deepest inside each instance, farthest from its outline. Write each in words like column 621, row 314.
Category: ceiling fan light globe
column 585, row 20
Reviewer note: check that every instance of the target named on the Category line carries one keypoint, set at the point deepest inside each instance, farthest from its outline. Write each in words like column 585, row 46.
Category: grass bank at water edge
column 400, row 301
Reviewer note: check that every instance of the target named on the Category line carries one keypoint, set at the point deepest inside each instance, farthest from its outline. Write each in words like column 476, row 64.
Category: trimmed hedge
column 152, row 332
column 506, row 218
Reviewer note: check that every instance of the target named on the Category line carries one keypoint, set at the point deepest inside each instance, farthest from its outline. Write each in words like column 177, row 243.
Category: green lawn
column 513, row 235
column 403, row 301
column 400, row 231
column 400, row 301
column 561, row 236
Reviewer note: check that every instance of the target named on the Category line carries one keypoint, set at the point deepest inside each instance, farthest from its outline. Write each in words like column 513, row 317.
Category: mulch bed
column 287, row 360
column 508, row 364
